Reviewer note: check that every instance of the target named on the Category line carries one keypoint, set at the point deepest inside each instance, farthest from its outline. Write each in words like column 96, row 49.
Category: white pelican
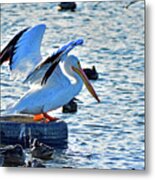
column 53, row 75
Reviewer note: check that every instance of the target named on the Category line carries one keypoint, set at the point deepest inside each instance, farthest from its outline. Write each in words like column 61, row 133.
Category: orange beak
column 88, row 85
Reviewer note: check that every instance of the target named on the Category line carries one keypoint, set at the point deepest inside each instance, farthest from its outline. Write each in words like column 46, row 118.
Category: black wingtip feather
column 49, row 72
column 8, row 52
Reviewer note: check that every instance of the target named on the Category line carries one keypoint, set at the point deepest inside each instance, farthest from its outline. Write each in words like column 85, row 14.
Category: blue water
column 108, row 135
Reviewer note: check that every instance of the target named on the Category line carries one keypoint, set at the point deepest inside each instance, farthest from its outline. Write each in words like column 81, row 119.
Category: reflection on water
column 109, row 135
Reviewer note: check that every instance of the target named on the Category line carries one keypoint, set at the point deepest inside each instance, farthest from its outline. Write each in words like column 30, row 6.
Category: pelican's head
column 73, row 63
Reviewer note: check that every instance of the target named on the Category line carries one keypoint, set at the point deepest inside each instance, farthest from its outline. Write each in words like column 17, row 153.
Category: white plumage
column 27, row 50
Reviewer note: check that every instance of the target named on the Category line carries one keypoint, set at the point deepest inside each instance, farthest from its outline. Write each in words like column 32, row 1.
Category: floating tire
column 20, row 129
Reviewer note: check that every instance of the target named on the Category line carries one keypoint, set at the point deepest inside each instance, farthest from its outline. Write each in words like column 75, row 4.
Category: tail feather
column 10, row 109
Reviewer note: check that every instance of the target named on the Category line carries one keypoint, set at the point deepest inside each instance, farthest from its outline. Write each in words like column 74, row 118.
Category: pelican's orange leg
column 38, row 117
column 49, row 118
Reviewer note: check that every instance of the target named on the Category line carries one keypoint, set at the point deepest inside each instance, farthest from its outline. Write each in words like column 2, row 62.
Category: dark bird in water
column 35, row 164
column 63, row 6
column 70, row 107
column 41, row 150
column 13, row 156
column 91, row 73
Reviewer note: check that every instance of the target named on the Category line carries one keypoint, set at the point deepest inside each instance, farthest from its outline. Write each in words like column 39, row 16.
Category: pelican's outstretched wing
column 44, row 70
column 23, row 51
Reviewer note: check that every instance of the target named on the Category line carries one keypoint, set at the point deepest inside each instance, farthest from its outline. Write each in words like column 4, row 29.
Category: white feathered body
column 57, row 92
column 43, row 100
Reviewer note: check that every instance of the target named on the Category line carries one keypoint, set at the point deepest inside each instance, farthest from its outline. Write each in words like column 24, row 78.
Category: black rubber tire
column 54, row 134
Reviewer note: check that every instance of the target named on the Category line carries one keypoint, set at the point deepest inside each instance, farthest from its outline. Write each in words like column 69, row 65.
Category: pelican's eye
column 79, row 64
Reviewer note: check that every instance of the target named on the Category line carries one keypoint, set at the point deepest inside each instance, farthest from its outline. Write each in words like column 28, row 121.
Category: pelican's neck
column 77, row 83
column 78, row 80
